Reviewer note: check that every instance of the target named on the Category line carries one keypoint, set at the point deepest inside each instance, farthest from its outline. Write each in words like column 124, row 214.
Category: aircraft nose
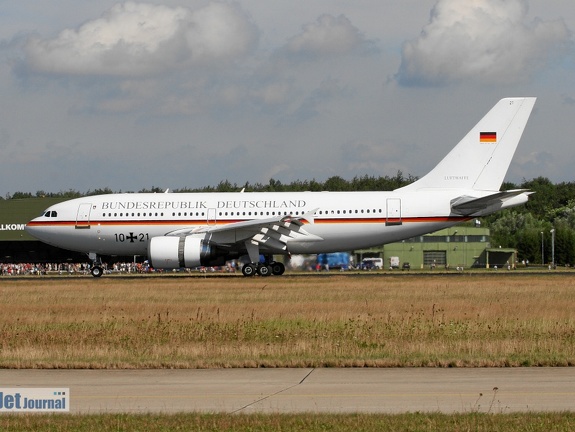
column 33, row 229
column 29, row 228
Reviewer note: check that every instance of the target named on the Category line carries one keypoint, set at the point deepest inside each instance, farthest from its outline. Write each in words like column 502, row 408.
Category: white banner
column 34, row 399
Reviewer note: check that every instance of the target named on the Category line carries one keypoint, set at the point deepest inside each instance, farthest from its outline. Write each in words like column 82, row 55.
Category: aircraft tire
column 96, row 271
column 265, row 270
column 278, row 269
column 249, row 270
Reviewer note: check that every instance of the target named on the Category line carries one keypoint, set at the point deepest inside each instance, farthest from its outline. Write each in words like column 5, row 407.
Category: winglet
column 308, row 217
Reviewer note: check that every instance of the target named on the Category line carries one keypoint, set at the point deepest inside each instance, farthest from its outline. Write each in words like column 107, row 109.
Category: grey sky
column 189, row 93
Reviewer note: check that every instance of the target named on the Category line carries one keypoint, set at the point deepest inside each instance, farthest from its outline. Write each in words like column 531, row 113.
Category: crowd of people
column 24, row 269
column 29, row 269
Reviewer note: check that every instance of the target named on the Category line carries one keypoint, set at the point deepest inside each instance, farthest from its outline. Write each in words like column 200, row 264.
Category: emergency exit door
column 393, row 215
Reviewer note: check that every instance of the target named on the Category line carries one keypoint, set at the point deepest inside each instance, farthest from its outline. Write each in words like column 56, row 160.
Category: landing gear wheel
column 278, row 268
column 264, row 270
column 97, row 271
column 249, row 270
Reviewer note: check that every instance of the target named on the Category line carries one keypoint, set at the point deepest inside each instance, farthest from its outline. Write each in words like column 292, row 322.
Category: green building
column 15, row 214
column 17, row 246
column 459, row 246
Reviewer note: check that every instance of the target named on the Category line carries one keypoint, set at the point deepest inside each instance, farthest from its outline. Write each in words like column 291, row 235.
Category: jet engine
column 172, row 252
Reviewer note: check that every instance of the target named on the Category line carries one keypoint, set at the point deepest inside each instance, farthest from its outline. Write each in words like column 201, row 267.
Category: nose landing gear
column 96, row 269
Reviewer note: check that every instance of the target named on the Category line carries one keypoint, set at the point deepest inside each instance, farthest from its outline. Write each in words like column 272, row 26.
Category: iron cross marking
column 131, row 237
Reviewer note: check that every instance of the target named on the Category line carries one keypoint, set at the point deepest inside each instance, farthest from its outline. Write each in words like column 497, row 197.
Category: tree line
column 332, row 184
column 525, row 228
column 528, row 228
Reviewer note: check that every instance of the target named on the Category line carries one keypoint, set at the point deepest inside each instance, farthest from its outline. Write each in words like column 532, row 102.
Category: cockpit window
column 51, row 214
column 54, row 214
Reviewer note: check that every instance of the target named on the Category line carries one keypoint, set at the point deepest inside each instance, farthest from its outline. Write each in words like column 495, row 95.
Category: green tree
column 336, row 184
column 564, row 245
column 21, row 195
column 544, row 197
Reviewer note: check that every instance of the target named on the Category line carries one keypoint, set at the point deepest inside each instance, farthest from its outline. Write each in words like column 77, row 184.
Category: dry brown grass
column 309, row 422
column 379, row 321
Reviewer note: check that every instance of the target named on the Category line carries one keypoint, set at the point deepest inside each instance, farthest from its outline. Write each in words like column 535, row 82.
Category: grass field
column 544, row 422
column 464, row 320
column 467, row 320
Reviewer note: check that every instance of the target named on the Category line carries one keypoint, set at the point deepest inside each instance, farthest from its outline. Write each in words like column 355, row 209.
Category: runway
column 308, row 390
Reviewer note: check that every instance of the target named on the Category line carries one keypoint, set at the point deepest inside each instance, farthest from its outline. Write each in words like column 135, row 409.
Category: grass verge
column 336, row 321
column 290, row 422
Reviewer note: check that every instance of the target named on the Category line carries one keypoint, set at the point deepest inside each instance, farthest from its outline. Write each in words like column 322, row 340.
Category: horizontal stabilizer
column 467, row 205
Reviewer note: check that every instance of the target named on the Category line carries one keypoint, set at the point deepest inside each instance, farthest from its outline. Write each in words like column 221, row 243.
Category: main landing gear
column 267, row 268
column 263, row 269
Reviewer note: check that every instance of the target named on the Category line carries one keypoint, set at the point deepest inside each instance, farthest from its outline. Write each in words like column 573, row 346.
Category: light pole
column 553, row 248
column 542, row 252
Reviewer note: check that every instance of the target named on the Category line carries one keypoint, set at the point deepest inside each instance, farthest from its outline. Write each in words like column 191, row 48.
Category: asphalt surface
column 500, row 390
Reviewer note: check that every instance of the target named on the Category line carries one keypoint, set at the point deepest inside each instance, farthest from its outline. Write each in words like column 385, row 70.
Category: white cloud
column 483, row 40
column 138, row 39
column 274, row 93
column 328, row 35
column 128, row 82
column 534, row 162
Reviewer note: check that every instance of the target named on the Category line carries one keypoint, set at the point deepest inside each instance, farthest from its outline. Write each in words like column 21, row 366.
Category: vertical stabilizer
column 481, row 159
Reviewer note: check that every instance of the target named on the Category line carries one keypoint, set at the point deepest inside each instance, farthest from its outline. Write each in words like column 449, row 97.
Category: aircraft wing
column 271, row 234
column 471, row 206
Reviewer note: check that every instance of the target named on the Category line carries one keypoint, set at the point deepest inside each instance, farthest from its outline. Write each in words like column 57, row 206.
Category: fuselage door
column 393, row 212
column 212, row 218
column 83, row 216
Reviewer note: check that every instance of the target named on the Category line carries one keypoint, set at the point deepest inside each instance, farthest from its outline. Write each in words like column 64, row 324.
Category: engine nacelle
column 171, row 252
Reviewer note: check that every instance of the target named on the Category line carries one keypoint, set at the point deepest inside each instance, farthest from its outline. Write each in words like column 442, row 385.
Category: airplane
column 188, row 230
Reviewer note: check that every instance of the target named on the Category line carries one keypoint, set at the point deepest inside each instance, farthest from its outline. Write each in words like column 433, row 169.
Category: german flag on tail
column 487, row 137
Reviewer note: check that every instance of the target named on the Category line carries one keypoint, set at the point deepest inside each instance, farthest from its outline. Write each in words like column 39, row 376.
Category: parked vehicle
column 337, row 260
column 393, row 262
column 372, row 264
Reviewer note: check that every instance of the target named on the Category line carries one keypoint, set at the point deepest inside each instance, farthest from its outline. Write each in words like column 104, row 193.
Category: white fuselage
column 123, row 224
column 192, row 229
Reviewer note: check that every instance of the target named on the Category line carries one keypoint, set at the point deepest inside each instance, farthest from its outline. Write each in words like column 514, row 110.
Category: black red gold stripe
column 203, row 222
column 487, row 137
